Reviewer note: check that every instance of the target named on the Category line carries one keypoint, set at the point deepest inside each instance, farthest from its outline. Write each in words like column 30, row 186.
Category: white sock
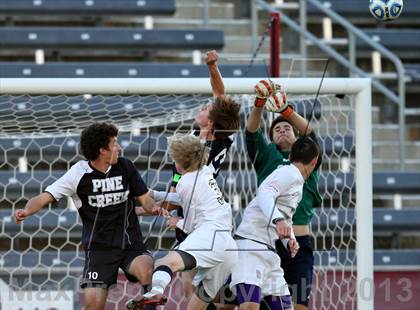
column 160, row 281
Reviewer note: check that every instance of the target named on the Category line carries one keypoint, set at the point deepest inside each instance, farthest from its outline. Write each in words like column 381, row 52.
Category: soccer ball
column 386, row 10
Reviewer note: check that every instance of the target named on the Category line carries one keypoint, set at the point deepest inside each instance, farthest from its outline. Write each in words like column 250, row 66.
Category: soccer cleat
column 145, row 300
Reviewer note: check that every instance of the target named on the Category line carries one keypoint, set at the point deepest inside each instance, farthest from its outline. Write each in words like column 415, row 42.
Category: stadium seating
column 82, row 7
column 360, row 8
column 61, row 221
column 383, row 182
column 382, row 258
column 107, row 37
column 395, row 39
column 413, row 71
column 384, row 221
column 123, row 70
column 133, row 147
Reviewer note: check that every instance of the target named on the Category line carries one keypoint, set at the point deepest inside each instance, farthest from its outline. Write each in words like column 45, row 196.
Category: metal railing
column 350, row 64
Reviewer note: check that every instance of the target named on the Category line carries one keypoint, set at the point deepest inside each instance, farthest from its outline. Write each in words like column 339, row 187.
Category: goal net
column 41, row 260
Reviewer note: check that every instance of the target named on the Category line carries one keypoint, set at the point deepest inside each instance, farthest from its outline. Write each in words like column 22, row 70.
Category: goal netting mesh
column 41, row 260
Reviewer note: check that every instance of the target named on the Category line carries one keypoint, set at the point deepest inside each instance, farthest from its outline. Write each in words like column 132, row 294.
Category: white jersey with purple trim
column 277, row 198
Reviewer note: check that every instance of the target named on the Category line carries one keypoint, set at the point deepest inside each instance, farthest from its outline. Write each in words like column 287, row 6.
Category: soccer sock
column 162, row 276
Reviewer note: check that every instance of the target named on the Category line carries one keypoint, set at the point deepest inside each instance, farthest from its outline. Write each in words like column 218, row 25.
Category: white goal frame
column 360, row 87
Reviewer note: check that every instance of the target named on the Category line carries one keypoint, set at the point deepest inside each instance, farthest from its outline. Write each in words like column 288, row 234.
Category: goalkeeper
column 266, row 157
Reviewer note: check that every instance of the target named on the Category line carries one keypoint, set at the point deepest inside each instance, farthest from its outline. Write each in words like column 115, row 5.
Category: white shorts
column 259, row 266
column 215, row 252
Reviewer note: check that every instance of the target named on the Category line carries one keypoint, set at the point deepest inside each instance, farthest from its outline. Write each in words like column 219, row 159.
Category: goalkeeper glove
column 278, row 103
column 263, row 90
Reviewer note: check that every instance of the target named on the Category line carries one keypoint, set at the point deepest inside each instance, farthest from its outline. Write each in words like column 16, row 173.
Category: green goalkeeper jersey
column 266, row 158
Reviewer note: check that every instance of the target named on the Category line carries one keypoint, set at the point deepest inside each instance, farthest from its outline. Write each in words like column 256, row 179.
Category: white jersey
column 277, row 198
column 202, row 202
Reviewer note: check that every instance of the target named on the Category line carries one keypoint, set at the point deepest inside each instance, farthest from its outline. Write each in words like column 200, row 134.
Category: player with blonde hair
column 209, row 247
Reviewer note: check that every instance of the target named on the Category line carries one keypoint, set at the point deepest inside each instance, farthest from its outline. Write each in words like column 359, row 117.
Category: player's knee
column 165, row 261
column 144, row 275
column 188, row 288
column 91, row 304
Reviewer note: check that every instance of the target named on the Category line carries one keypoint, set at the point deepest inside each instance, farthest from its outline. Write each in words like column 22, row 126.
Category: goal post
column 355, row 114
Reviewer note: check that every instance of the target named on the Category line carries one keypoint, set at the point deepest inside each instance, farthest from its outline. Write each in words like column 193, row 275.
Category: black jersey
column 217, row 155
column 105, row 202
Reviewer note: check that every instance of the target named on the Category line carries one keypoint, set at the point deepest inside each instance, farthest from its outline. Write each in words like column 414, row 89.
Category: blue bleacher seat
column 395, row 39
column 382, row 258
column 67, row 148
column 326, row 220
column 413, row 71
column 384, row 220
column 360, row 8
column 332, row 182
column 67, row 223
column 60, row 220
column 83, row 7
column 123, row 70
column 106, row 37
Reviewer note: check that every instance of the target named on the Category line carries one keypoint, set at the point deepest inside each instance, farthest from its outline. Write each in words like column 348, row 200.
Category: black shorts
column 101, row 266
column 298, row 271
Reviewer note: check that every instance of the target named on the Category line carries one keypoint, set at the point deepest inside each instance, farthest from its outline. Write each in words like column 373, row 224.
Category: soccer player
column 209, row 247
column 266, row 157
column 267, row 219
column 104, row 188
column 217, row 123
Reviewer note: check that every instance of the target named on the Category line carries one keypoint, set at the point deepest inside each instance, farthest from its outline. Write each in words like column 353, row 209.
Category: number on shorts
column 93, row 275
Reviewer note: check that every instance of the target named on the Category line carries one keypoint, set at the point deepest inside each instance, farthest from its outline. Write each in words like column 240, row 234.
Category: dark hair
column 304, row 150
column 277, row 120
column 225, row 116
column 95, row 137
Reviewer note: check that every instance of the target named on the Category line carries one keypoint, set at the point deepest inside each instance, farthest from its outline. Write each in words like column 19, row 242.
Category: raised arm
column 263, row 90
column 33, row 206
column 216, row 80
column 254, row 119
column 300, row 123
